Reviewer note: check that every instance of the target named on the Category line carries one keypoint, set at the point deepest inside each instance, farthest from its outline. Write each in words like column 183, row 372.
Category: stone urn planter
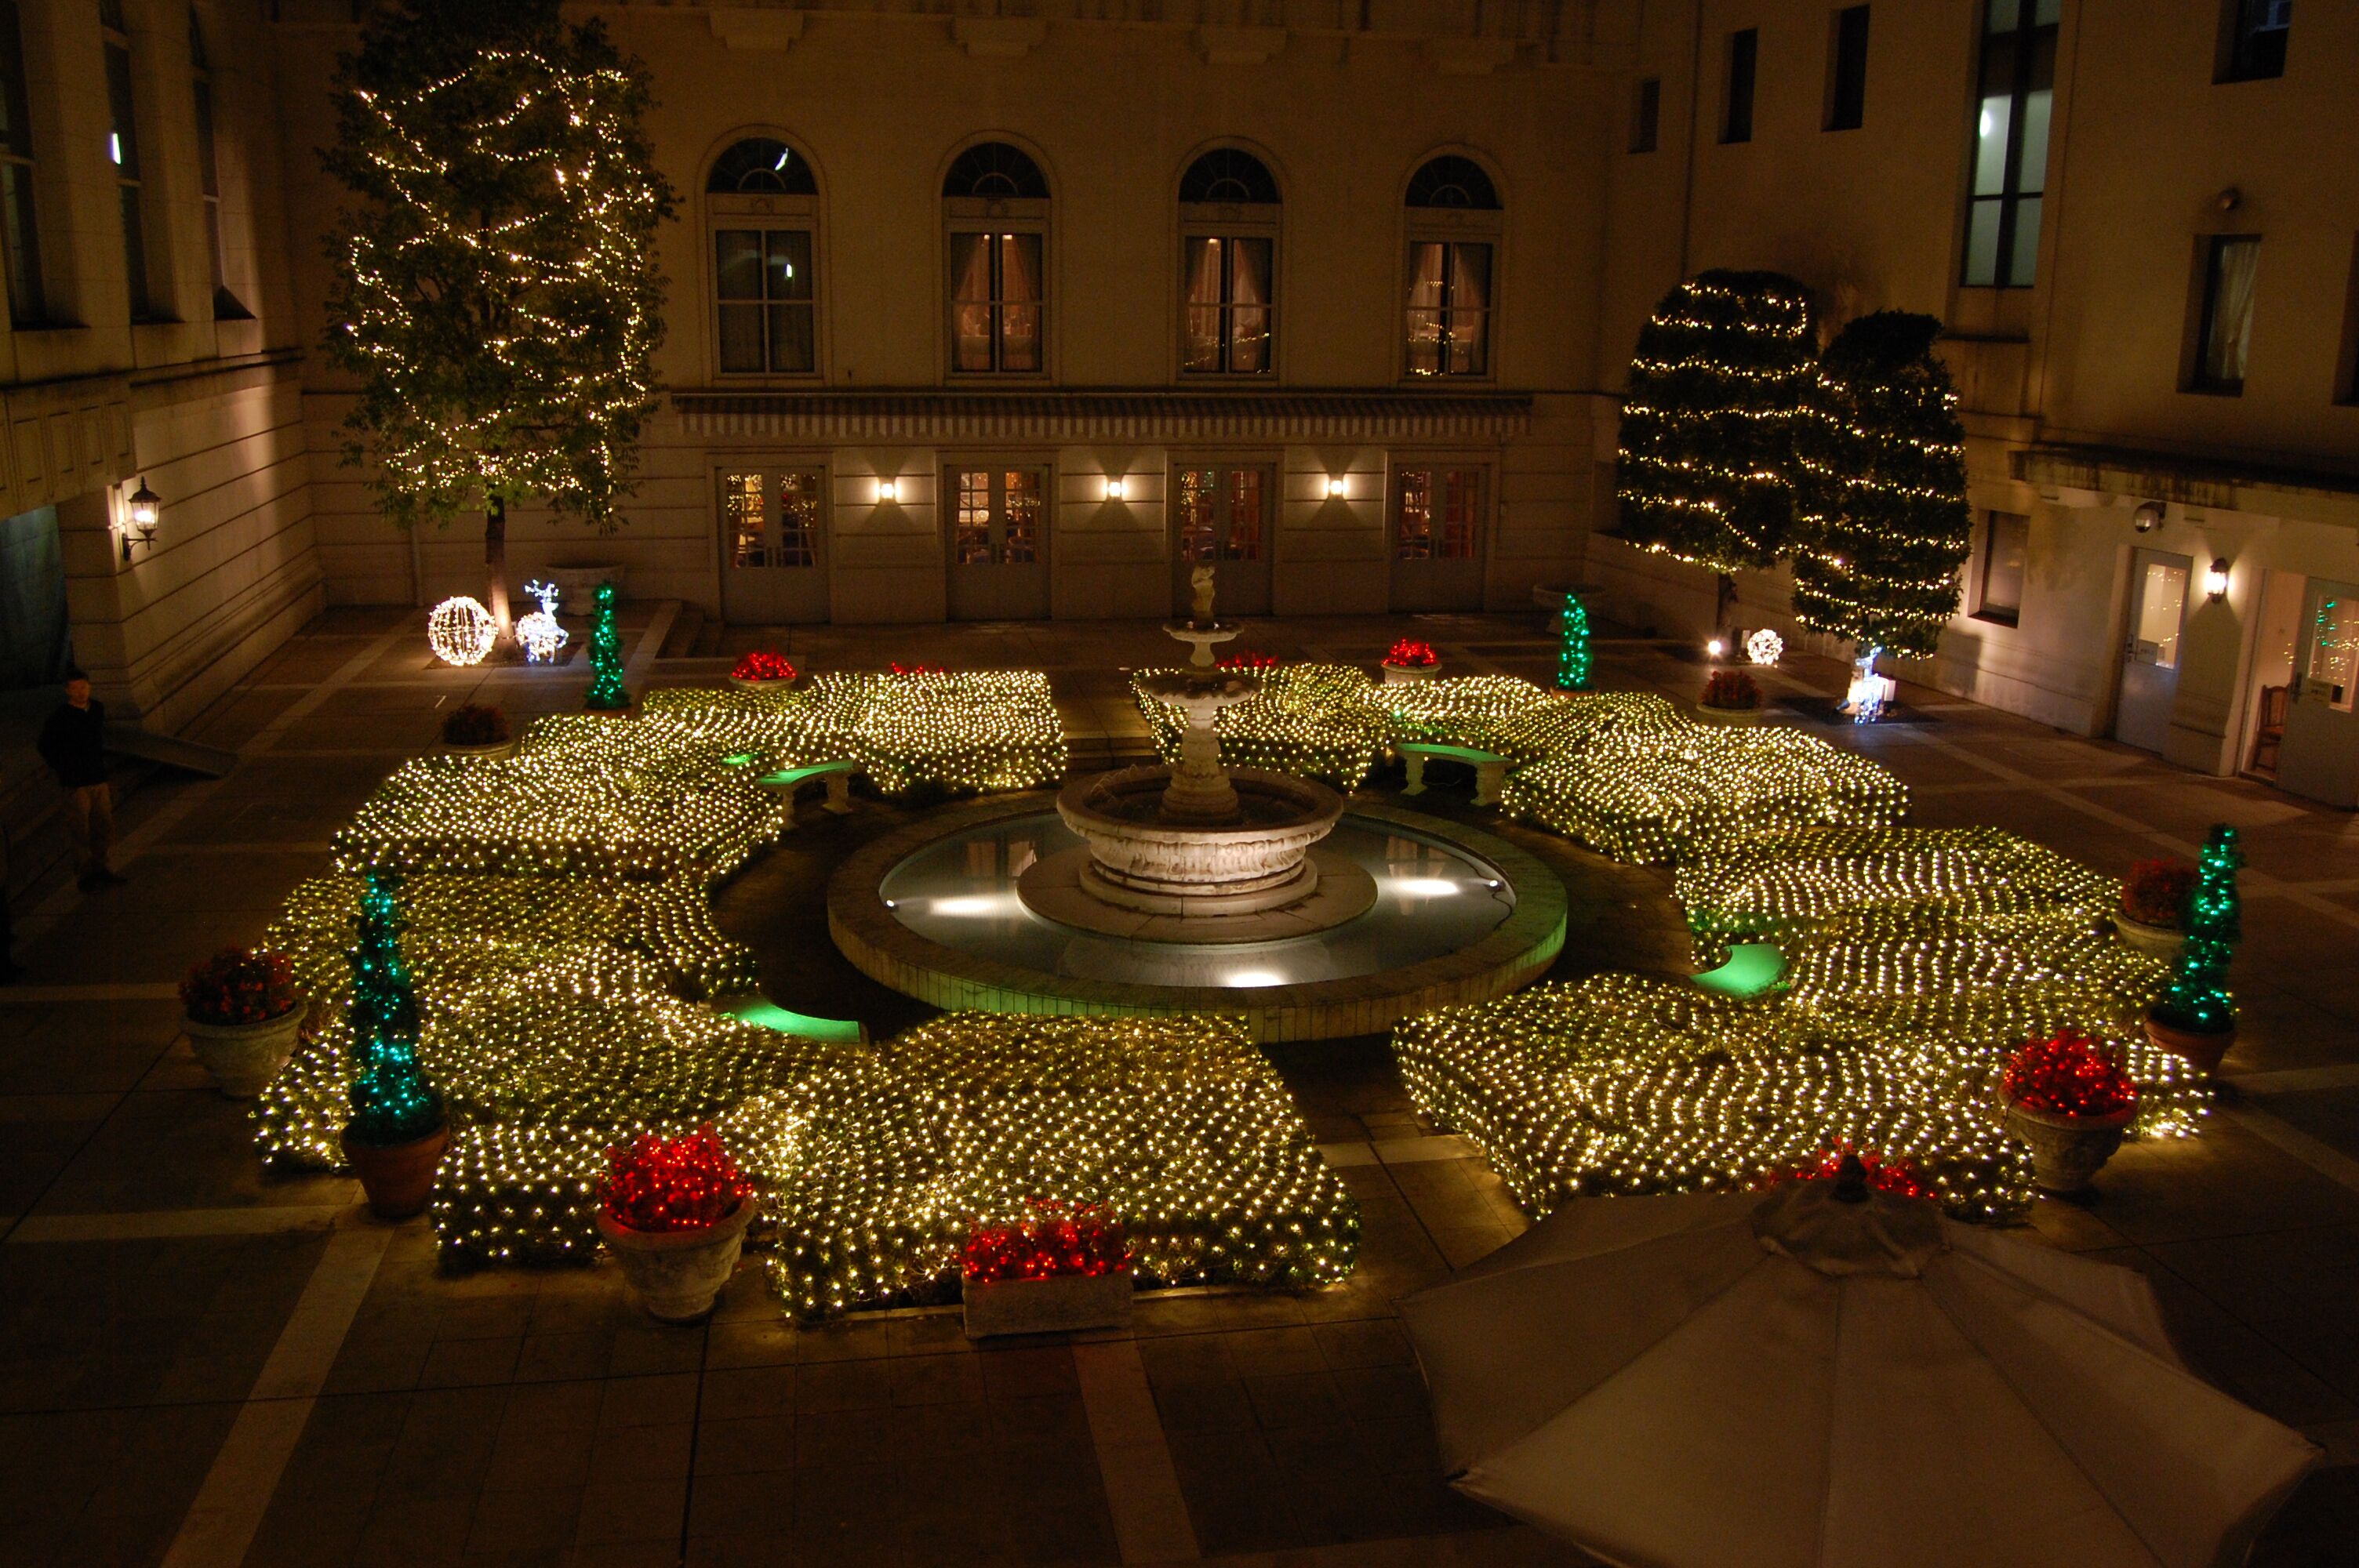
column 772, row 683
column 241, row 1058
column 2202, row 1049
column 2066, row 1150
column 678, row 1274
column 1409, row 675
column 397, row 1177
column 1707, row 714
column 2163, row 941
column 1063, row 1303
column 493, row 751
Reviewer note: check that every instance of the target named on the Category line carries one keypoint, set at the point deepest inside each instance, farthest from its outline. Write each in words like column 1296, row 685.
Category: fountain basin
column 1140, row 860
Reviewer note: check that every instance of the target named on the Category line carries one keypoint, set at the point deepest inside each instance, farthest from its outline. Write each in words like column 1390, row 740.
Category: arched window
column 1453, row 236
column 996, row 218
column 1228, row 251
column 762, row 202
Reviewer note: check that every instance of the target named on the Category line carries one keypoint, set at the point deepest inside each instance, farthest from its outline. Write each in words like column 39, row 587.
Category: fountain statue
column 1193, row 851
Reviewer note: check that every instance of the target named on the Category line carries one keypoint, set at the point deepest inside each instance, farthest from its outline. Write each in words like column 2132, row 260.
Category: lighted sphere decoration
column 542, row 637
column 1765, row 647
column 461, row 631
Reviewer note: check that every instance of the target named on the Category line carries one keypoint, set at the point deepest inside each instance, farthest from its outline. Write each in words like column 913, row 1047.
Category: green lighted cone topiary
column 607, row 692
column 2195, row 1015
column 395, row 1134
column 1573, row 645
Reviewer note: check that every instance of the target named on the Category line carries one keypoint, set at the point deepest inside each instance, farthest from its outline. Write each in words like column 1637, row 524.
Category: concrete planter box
column 243, row 1057
column 2163, row 941
column 497, row 750
column 2066, row 1150
column 1706, row 714
column 676, row 1273
column 1409, row 675
column 1060, row 1305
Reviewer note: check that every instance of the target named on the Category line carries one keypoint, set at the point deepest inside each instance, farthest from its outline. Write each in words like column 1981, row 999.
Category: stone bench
column 1490, row 768
column 836, row 774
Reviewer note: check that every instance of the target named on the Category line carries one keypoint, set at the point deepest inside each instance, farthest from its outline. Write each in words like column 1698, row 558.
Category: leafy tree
column 496, row 292
column 1882, row 486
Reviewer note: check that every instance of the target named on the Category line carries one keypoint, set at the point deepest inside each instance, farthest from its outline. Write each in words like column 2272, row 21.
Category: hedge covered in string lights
column 1313, row 721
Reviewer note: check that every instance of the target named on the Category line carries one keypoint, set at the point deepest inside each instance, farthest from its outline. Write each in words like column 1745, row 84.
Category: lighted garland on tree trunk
column 1573, row 656
column 496, row 292
column 391, row 1101
column 2197, row 997
column 1881, row 483
column 607, row 693
column 1707, row 427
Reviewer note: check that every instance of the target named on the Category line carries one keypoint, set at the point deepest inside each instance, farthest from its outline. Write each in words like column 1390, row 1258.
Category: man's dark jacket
column 73, row 742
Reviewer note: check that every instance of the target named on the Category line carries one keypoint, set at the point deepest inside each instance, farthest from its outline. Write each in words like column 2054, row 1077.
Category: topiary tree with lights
column 607, row 693
column 1881, row 483
column 1704, row 473
column 2196, row 1000
column 392, row 1103
column 1573, row 655
column 494, row 293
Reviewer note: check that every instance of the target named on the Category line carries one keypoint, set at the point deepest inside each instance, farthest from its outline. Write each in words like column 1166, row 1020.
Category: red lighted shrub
column 673, row 1183
column 1250, row 659
column 1408, row 654
column 764, row 664
column 1884, row 1175
column 2065, row 1074
column 240, row 985
column 1731, row 688
column 1059, row 1240
column 2156, row 892
column 901, row 669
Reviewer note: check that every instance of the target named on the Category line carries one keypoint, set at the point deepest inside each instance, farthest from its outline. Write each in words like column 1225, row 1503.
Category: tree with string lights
column 1881, row 481
column 1704, row 470
column 495, row 293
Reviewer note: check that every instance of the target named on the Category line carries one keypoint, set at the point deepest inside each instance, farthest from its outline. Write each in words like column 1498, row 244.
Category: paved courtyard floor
column 202, row 1366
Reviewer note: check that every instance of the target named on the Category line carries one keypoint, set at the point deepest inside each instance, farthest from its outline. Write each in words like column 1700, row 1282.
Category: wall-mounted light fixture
column 2215, row 581
column 2148, row 516
column 142, row 510
column 1716, row 647
column 1335, row 487
column 1117, row 488
column 887, row 490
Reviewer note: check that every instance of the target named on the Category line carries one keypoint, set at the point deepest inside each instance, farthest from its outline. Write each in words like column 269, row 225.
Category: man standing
column 73, row 742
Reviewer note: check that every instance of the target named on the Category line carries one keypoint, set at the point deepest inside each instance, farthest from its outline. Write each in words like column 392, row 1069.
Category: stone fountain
column 1196, row 851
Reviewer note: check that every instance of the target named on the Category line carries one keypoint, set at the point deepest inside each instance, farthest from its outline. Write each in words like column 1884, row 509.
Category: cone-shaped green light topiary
column 607, row 693
column 391, row 1101
column 1881, row 489
column 1573, row 656
column 1706, row 428
column 2196, row 999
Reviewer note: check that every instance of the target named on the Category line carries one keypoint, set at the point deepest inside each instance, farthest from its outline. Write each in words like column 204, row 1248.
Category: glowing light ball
column 542, row 637
column 461, row 631
column 1765, row 647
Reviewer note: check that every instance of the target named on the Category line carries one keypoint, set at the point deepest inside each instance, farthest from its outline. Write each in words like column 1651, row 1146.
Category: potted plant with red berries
column 240, row 1011
column 763, row 669
column 1062, row 1267
column 674, row 1214
column 478, row 729
column 1729, row 696
column 1410, row 660
column 2153, row 910
column 2195, row 1018
column 2070, row 1102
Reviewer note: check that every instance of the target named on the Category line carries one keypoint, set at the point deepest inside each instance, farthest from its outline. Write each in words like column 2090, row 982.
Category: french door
column 773, row 545
column 1220, row 518
column 1437, row 519
column 2152, row 652
column 998, row 539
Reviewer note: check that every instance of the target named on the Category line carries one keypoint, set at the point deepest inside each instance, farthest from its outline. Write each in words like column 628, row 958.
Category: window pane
column 1413, row 515
column 2333, row 645
column 737, row 263
column 969, row 267
column 743, row 519
column 2006, row 543
column 2022, row 256
column 1990, row 145
column 134, row 254
column 1461, row 509
column 1249, row 340
column 970, row 544
column 1019, row 337
column 1245, row 515
column 1982, row 242
column 1424, row 321
column 124, row 147
column 15, row 128
column 1201, row 271
column 2031, row 158
column 1197, row 517
column 2228, row 312
column 208, row 164
column 2162, row 606
column 25, row 301
column 791, row 346
column 1847, row 84
column 1022, row 518
column 1249, row 288
column 1744, row 49
column 1019, row 267
column 789, row 274
column 1470, row 301
column 741, row 338
column 1425, row 275
column 2002, row 16
column 798, row 520
column 1200, row 338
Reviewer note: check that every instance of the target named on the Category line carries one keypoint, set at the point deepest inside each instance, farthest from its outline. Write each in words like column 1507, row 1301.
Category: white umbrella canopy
column 1834, row 1377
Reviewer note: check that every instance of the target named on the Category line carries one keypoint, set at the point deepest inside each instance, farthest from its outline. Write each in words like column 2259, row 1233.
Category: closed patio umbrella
column 1835, row 1377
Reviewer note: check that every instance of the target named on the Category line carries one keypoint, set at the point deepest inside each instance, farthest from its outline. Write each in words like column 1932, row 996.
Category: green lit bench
column 836, row 775
column 1490, row 768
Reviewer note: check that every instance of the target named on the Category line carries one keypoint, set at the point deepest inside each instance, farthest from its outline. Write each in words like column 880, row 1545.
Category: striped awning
column 1083, row 415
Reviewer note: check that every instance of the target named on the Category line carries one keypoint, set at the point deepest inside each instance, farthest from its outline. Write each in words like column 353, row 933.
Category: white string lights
column 461, row 631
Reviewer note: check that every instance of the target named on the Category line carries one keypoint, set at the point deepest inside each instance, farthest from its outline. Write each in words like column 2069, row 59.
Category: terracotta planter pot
column 2066, row 1150
column 1707, row 714
column 678, row 1273
column 1060, row 1306
column 397, row 1177
column 243, row 1057
column 493, row 751
column 2200, row 1050
column 1406, row 674
column 2162, row 942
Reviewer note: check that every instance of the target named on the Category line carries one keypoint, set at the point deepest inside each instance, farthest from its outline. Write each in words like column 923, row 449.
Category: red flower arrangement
column 1250, row 659
column 2156, row 892
column 763, row 664
column 240, row 985
column 901, row 669
column 2066, row 1074
column 673, row 1183
column 1896, row 1176
column 1060, row 1240
column 1731, row 688
column 1408, row 654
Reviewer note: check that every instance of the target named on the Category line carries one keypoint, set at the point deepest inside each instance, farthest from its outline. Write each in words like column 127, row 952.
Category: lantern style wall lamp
column 2215, row 581
column 142, row 510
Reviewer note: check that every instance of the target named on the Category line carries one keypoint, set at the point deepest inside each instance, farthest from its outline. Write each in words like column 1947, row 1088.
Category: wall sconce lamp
column 1117, row 488
column 1335, row 487
column 2148, row 515
column 142, row 510
column 887, row 490
column 2215, row 581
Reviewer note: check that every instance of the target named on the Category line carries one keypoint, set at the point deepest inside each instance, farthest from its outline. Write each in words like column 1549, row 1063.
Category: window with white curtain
column 1228, row 246
column 2225, row 330
column 995, row 208
column 761, row 206
column 1454, row 235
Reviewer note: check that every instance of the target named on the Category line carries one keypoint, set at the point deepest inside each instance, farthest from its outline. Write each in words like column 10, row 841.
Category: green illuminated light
column 1752, row 968
column 761, row 1011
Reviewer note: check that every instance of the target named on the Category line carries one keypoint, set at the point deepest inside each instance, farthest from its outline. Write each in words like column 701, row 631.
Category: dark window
column 122, row 150
column 995, row 302
column 2007, row 539
column 226, row 306
column 19, row 236
column 1646, row 115
column 2225, row 330
column 1449, row 308
column 1437, row 513
column 762, row 166
column 1736, row 108
column 2346, row 380
column 1225, row 283
column 1847, row 70
column 995, row 170
column 2010, row 143
column 1452, row 181
column 1228, row 178
column 2253, row 39
column 763, row 286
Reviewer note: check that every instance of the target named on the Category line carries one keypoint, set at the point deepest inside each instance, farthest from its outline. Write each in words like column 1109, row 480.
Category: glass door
column 2319, row 758
column 998, row 537
column 1220, row 517
column 2150, row 656
column 1437, row 534
column 773, row 545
